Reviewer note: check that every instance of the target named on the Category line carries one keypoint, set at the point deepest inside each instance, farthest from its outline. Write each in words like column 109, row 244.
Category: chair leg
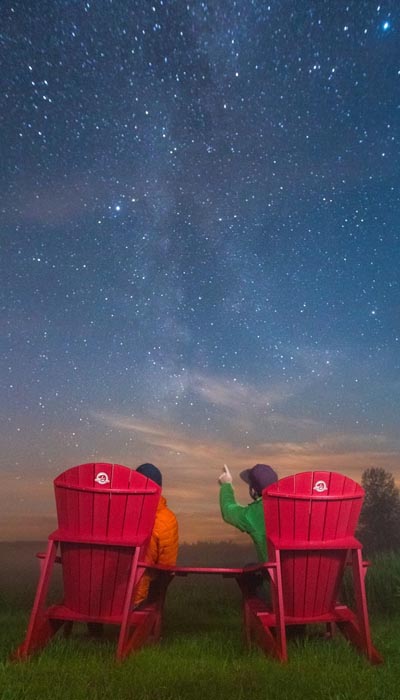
column 146, row 622
column 126, row 614
column 160, row 591
column 277, row 592
column 357, row 630
column 247, row 624
column 142, row 631
column 269, row 643
column 330, row 630
column 40, row 628
column 248, row 590
column 258, row 620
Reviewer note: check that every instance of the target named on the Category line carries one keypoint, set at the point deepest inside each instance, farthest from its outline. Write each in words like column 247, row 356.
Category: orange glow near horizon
column 190, row 472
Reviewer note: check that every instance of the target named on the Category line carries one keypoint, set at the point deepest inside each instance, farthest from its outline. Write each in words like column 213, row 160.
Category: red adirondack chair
column 105, row 515
column 311, row 519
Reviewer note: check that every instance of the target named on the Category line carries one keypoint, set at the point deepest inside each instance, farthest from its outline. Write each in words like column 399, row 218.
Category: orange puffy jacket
column 162, row 549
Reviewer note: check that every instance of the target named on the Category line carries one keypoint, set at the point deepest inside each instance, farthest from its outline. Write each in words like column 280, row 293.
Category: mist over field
column 19, row 566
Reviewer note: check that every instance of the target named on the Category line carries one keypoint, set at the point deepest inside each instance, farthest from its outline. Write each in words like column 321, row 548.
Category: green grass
column 383, row 583
column 202, row 656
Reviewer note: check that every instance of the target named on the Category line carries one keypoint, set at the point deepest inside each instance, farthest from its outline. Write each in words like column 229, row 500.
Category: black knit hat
column 259, row 477
column 151, row 472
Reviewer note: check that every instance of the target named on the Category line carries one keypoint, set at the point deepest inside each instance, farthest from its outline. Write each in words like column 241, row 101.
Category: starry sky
column 199, row 208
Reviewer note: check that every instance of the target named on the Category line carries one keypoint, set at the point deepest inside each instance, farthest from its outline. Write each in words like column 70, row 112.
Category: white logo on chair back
column 320, row 486
column 102, row 478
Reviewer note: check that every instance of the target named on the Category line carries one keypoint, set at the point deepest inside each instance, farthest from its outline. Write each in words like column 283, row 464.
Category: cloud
column 344, row 450
column 131, row 424
column 191, row 465
column 236, row 396
column 165, row 436
column 248, row 425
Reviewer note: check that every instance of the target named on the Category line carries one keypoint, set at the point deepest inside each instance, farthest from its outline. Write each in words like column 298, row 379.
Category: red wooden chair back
column 101, row 509
column 307, row 515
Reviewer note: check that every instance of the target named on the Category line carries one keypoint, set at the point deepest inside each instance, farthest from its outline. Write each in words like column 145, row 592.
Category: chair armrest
column 253, row 568
column 42, row 555
column 185, row 570
column 222, row 571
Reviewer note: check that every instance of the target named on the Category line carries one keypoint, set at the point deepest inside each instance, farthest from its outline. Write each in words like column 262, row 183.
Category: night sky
column 199, row 244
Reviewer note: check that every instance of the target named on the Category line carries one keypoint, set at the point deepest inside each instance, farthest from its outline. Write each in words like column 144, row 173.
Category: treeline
column 379, row 524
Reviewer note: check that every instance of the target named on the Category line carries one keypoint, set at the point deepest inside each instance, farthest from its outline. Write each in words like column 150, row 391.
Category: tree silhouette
column 379, row 525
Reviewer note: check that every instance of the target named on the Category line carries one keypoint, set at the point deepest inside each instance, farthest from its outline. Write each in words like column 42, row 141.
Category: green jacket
column 248, row 519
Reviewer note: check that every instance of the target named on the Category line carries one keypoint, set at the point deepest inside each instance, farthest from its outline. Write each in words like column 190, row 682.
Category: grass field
column 202, row 654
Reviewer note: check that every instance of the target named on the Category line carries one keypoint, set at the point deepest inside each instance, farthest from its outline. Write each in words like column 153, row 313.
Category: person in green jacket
column 249, row 518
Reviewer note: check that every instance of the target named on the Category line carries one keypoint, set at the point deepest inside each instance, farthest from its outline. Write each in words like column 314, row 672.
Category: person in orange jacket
column 164, row 542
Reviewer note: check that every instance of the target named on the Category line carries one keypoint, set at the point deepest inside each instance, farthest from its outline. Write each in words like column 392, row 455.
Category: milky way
column 200, row 242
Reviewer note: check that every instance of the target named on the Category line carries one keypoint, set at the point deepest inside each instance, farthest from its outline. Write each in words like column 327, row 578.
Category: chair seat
column 62, row 612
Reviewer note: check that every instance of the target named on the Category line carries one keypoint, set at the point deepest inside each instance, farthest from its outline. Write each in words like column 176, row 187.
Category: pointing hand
column 225, row 477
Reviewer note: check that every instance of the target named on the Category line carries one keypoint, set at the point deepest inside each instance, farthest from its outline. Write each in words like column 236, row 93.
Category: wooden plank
column 143, row 511
column 327, row 565
column 317, row 511
column 70, row 559
column 101, row 503
column 122, row 568
column 120, row 480
column 338, row 524
column 67, row 506
column 115, row 525
column 286, row 509
column 85, row 499
column 302, row 484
